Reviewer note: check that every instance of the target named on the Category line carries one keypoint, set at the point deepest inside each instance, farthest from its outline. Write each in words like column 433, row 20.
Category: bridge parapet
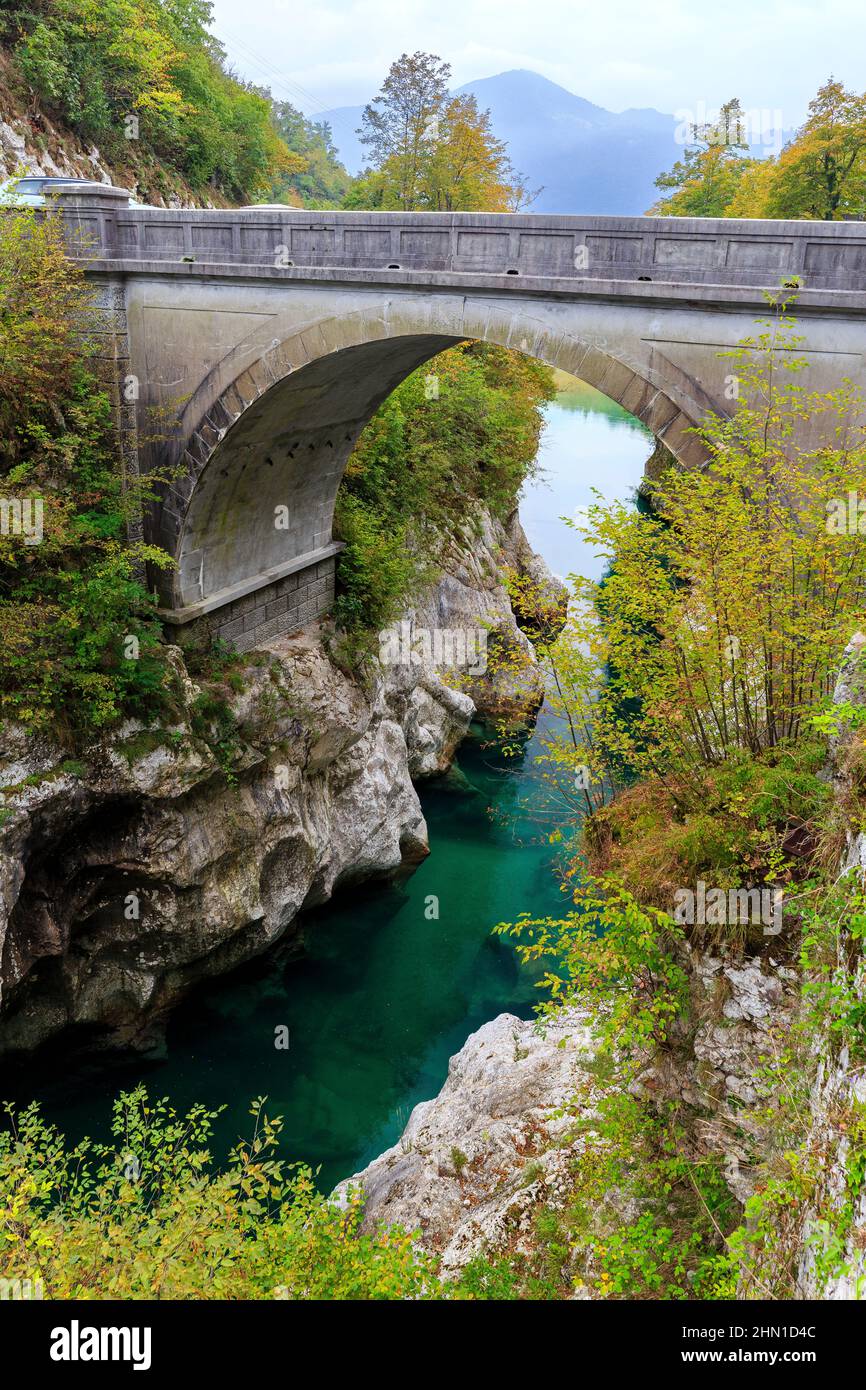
column 565, row 250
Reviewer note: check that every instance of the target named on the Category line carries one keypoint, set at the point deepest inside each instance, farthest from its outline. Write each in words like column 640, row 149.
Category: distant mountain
column 587, row 159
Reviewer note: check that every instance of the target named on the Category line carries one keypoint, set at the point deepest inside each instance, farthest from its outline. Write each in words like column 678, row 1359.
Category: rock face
column 161, row 856
column 21, row 154
column 757, row 1002
column 839, row 1090
column 472, row 599
column 742, row 1007
column 838, row 1096
column 473, row 1164
column 738, row 1005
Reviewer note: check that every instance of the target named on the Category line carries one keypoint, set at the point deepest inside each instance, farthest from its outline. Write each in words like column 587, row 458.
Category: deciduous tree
column 704, row 181
column 430, row 150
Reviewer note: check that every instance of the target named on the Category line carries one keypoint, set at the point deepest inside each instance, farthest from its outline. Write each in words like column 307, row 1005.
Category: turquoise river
column 381, row 996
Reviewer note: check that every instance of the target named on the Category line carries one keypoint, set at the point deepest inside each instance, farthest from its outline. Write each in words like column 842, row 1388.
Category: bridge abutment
column 276, row 606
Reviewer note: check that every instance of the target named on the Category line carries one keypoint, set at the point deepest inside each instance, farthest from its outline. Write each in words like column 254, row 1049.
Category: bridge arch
column 249, row 517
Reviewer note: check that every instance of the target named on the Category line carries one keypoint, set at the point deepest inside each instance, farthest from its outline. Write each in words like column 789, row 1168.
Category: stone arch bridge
column 247, row 350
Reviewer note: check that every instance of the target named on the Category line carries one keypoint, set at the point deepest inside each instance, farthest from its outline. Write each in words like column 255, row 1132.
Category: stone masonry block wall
column 272, row 611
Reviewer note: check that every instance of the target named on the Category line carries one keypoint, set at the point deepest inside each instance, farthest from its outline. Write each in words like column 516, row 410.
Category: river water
column 383, row 994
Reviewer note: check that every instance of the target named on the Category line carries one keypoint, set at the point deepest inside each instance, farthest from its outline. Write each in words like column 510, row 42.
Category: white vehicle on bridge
column 35, row 190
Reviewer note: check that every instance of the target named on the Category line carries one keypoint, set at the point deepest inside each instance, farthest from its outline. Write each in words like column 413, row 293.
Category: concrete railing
column 828, row 256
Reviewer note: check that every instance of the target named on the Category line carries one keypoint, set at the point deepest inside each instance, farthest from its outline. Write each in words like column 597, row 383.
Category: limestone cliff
column 837, row 1099
column 473, row 1163
column 471, row 597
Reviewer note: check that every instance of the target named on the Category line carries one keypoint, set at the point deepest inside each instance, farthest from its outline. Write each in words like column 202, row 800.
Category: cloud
column 671, row 54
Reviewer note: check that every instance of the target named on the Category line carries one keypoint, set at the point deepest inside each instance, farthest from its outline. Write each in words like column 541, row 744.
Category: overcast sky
column 670, row 54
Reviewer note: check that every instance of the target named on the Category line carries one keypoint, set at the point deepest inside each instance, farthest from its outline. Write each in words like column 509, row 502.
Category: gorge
column 432, row 700
column 380, row 995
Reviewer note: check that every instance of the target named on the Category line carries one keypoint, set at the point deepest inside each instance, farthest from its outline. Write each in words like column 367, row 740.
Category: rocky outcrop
column 22, row 152
column 473, row 1164
column 832, row 1259
column 502, row 675
column 832, row 1262
column 162, row 856
column 504, row 1136
column 754, row 1025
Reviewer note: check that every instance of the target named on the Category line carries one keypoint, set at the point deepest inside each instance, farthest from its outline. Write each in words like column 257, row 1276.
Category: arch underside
column 255, row 500
column 267, row 494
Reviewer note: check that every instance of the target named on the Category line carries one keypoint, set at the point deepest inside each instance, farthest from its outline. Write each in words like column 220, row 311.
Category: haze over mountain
column 585, row 158
column 588, row 160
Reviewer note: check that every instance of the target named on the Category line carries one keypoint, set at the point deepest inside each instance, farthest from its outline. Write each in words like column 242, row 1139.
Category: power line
column 267, row 69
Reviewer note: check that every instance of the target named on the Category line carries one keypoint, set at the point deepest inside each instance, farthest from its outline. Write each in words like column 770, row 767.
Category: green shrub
column 754, row 819
column 150, row 1216
column 377, row 570
column 95, row 63
column 461, row 431
column 81, row 646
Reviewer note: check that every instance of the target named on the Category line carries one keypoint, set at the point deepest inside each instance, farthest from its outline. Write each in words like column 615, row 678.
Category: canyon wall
column 161, row 855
